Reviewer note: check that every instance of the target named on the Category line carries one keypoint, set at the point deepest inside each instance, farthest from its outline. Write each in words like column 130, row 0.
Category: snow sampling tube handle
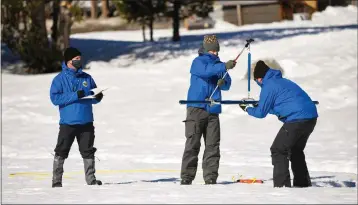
column 246, row 46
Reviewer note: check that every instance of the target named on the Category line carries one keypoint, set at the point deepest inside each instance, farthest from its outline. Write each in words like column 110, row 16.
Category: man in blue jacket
column 292, row 106
column 67, row 91
column 203, row 119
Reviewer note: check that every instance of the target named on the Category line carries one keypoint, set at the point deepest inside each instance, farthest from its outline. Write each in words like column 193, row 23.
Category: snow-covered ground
column 140, row 134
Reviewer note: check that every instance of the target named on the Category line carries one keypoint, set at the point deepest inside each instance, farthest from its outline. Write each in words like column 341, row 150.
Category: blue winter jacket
column 63, row 92
column 283, row 98
column 206, row 70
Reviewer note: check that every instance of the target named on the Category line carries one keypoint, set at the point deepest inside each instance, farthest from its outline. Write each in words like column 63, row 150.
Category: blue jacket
column 206, row 70
column 283, row 98
column 63, row 92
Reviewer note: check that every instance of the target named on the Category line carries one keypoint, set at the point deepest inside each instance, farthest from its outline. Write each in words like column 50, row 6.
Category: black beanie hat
column 260, row 69
column 71, row 53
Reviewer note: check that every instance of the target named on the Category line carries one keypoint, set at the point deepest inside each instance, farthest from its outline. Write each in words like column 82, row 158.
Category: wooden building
column 250, row 12
column 267, row 11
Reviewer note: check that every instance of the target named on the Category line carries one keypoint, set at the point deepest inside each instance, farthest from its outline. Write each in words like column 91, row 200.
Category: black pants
column 199, row 122
column 288, row 146
column 85, row 139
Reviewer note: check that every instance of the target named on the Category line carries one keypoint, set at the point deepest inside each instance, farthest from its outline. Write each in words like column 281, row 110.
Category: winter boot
column 57, row 171
column 304, row 181
column 185, row 182
column 89, row 165
column 210, row 181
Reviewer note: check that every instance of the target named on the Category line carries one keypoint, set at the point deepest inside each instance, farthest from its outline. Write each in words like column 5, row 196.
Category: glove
column 99, row 97
column 243, row 107
column 281, row 118
column 221, row 82
column 230, row 64
column 83, row 93
column 80, row 93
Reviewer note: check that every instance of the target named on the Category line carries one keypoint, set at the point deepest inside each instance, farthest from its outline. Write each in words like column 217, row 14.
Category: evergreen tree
column 181, row 9
column 23, row 30
column 142, row 11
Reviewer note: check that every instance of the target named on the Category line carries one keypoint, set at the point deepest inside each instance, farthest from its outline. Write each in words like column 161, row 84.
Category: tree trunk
column 38, row 20
column 176, row 20
column 3, row 13
column 143, row 31
column 67, row 28
column 39, row 45
column 65, row 24
column 105, row 10
column 54, row 28
column 151, row 20
column 94, row 9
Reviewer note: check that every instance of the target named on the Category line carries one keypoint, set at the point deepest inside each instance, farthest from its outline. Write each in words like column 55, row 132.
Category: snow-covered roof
column 227, row 3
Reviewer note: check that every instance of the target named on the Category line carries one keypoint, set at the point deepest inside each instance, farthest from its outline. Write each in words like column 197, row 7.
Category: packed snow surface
column 140, row 133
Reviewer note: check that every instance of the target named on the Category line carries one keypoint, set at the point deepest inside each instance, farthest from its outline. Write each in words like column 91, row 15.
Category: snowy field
column 140, row 133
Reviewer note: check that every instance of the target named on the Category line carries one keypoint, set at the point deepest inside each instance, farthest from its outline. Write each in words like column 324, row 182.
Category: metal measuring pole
column 246, row 46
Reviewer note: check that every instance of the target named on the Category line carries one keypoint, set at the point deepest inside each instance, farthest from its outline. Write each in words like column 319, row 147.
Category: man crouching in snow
column 76, row 116
column 203, row 119
column 292, row 106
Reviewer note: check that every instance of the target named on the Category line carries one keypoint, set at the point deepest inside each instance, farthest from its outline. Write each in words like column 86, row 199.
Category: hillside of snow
column 139, row 129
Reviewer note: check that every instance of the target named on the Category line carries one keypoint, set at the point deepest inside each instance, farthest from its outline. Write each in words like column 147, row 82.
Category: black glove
column 281, row 118
column 99, row 97
column 230, row 64
column 221, row 82
column 243, row 107
column 82, row 93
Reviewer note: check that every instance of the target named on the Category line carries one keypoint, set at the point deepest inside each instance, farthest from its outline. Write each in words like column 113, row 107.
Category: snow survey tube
column 232, row 102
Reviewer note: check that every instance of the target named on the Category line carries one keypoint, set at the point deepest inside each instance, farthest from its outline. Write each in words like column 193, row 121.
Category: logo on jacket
column 85, row 84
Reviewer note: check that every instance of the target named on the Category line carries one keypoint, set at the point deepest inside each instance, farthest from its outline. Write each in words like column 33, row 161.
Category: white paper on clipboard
column 96, row 91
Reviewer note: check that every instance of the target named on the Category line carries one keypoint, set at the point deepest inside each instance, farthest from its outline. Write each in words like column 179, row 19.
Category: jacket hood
column 271, row 74
column 201, row 50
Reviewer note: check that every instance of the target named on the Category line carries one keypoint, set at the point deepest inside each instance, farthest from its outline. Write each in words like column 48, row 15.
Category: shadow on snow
column 105, row 50
column 329, row 183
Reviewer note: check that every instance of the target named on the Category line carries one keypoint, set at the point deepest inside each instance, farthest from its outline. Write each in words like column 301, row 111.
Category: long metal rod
column 248, row 72
column 217, row 86
column 246, row 46
column 223, row 102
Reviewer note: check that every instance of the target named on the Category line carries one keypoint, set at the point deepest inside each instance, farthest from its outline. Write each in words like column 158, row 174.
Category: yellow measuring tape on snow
column 44, row 175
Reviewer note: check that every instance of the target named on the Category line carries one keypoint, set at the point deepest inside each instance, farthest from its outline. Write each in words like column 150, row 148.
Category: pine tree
column 181, row 9
column 24, row 33
column 143, row 12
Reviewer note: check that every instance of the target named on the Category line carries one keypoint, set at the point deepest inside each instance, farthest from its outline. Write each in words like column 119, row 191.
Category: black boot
column 89, row 165
column 185, row 182
column 57, row 171
column 210, row 181
column 304, row 181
